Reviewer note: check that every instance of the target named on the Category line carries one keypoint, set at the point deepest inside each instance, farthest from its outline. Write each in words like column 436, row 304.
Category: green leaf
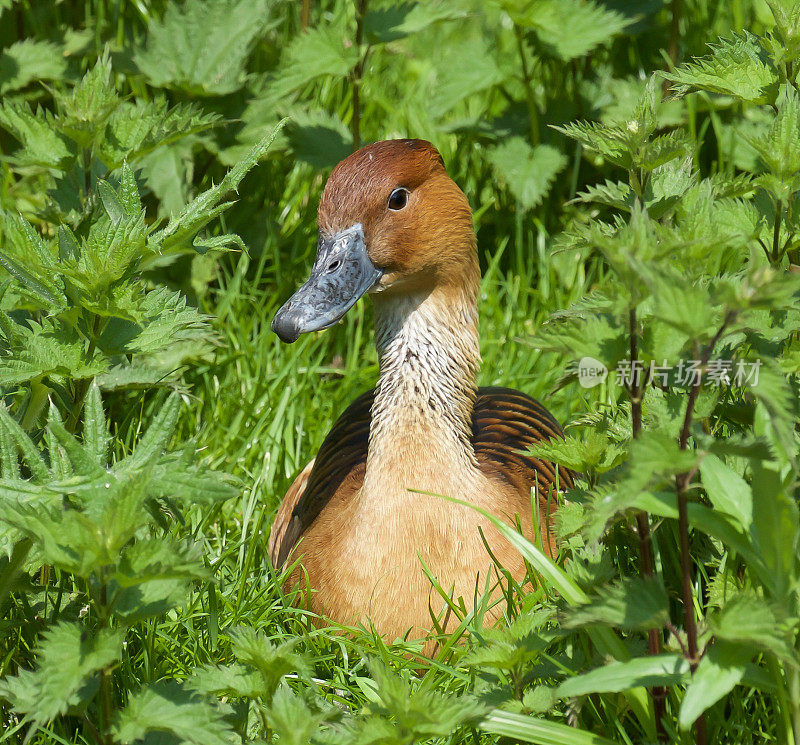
column 272, row 661
column 658, row 453
column 317, row 52
column 168, row 707
column 319, row 138
column 752, row 621
column 136, row 128
column 727, row 491
column 594, row 452
column 630, row 603
column 84, row 111
column 201, row 46
column 528, row 172
column 567, row 29
column 777, row 147
column 737, row 67
column 95, row 432
column 46, row 349
column 153, row 576
column 41, row 143
column 13, row 435
column 467, row 69
column 538, row 731
column 292, row 719
column 30, row 60
column 68, row 660
column 723, row 666
column 158, row 434
column 553, row 576
column 402, row 712
column 775, row 529
column 183, row 227
column 658, row 670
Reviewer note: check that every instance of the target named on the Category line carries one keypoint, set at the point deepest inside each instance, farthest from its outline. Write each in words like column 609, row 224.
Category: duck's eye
column 398, row 199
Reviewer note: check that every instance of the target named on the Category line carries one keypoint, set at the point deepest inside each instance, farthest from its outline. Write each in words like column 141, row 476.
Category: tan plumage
column 355, row 515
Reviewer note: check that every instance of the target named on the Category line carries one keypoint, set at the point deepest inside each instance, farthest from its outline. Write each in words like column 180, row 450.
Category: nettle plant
column 697, row 472
column 92, row 533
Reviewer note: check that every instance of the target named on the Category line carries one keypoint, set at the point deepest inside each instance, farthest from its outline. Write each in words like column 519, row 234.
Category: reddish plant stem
column 357, row 74
column 681, row 485
column 657, row 693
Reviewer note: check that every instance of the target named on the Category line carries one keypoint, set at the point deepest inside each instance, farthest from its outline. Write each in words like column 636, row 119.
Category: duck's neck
column 429, row 358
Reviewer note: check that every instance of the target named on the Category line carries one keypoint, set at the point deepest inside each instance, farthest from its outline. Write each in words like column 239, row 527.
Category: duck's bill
column 341, row 274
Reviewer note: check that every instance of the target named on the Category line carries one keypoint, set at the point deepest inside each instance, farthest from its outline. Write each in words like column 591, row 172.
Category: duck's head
column 391, row 221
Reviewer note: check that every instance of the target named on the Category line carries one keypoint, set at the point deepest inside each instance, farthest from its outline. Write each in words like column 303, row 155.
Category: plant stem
column 657, row 693
column 794, row 697
column 681, row 486
column 776, row 233
column 533, row 112
column 674, row 31
column 36, row 401
column 305, row 14
column 82, row 386
column 357, row 74
column 106, row 692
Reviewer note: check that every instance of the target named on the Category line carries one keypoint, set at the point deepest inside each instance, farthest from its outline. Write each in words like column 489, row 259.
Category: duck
column 365, row 519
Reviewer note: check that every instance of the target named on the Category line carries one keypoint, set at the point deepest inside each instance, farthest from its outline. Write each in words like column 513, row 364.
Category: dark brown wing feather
column 343, row 452
column 504, row 423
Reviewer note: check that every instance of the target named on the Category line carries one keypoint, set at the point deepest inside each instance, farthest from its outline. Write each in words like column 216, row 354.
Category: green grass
column 258, row 409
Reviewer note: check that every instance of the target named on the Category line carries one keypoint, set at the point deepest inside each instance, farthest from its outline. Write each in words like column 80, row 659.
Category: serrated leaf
column 319, row 138
column 737, row 67
column 292, row 719
column 182, row 227
column 96, row 436
column 28, row 60
column 169, row 708
column 317, row 52
column 272, row 661
column 85, row 109
column 528, row 172
column 45, row 349
column 129, row 192
column 777, row 146
column 68, row 660
column 658, row 453
column 658, row 670
column 153, row 575
column 13, row 438
column 611, row 193
column 467, row 69
column 723, row 666
column 567, row 29
column 155, row 439
column 41, row 143
column 752, row 621
column 631, row 603
column 136, row 128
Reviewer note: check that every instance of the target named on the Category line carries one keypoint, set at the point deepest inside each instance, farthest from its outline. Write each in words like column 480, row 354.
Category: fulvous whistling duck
column 394, row 225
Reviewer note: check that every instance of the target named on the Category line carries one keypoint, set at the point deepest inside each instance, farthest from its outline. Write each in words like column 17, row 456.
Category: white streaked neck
column 429, row 359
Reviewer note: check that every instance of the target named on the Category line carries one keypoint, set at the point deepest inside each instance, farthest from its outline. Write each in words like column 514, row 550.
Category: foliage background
column 183, row 92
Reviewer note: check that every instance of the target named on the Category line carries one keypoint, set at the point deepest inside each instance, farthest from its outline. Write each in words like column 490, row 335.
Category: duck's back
column 505, row 425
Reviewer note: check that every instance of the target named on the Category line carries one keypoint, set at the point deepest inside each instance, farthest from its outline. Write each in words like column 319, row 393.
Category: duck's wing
column 505, row 424
column 343, row 454
column 283, row 518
